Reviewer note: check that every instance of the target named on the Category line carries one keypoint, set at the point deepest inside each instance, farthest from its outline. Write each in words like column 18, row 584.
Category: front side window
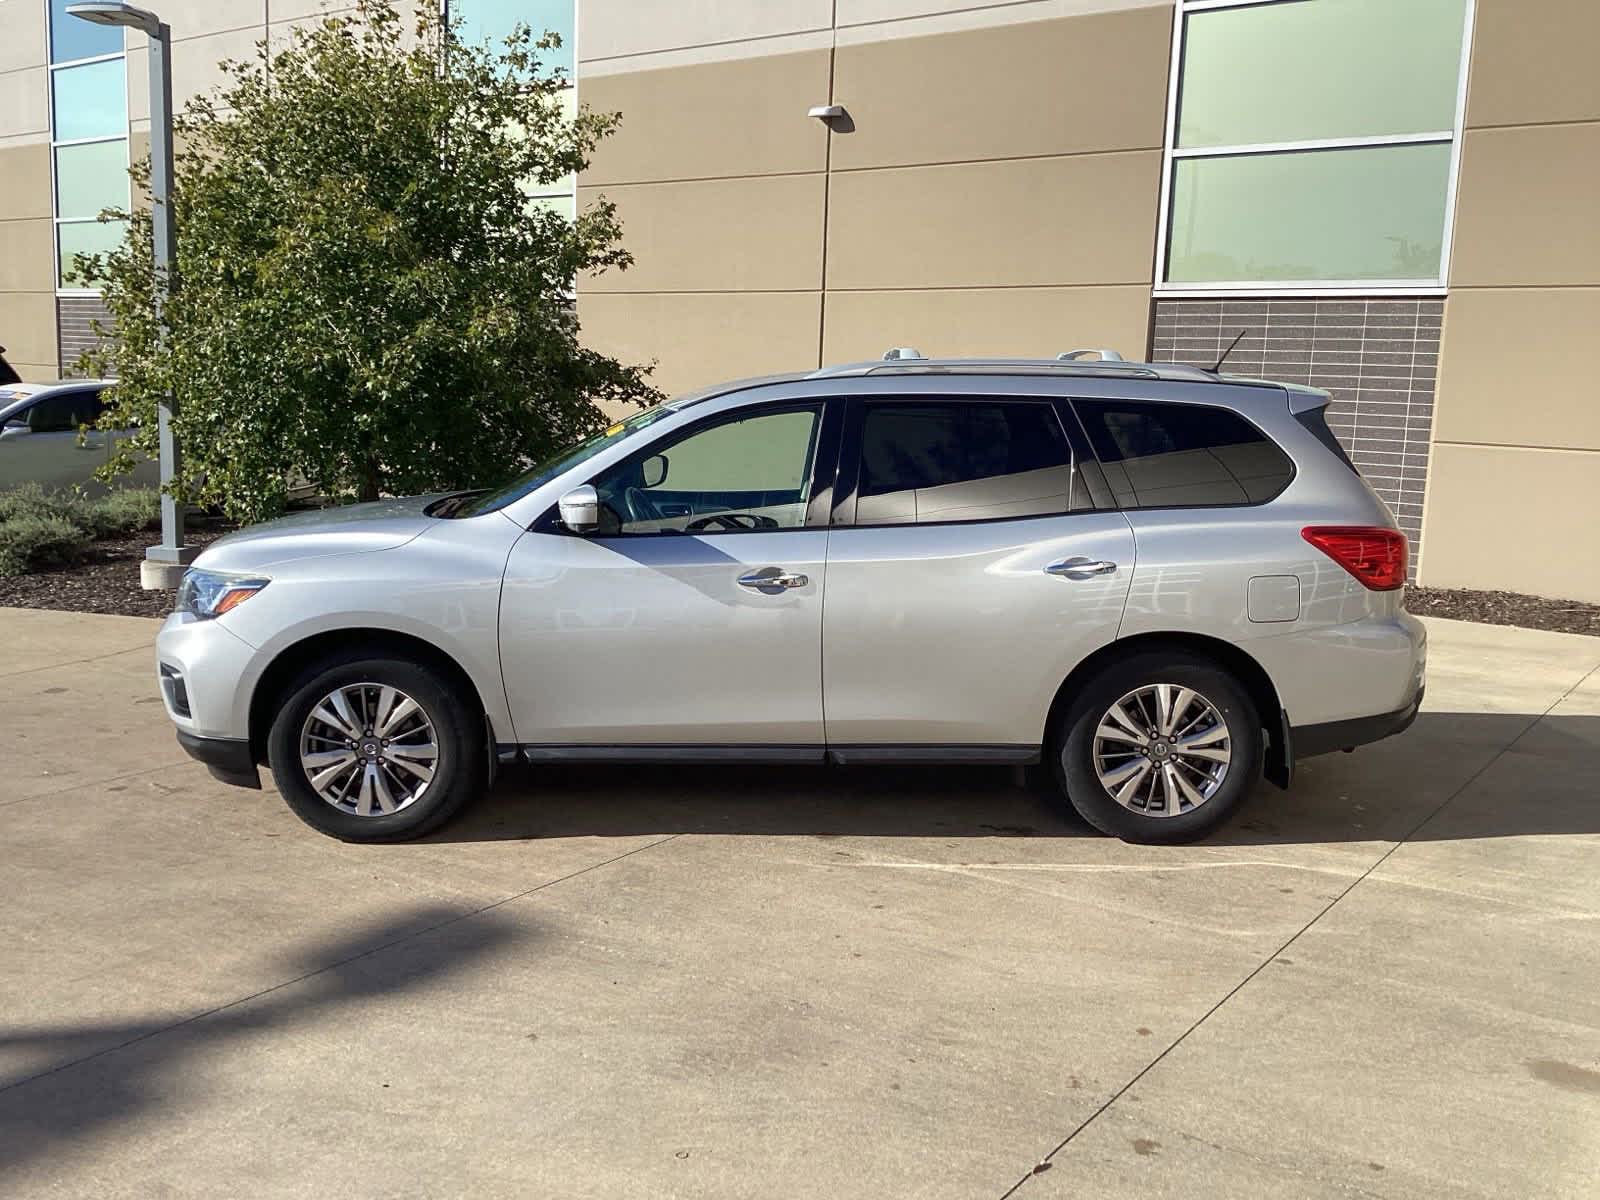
column 64, row 412
column 952, row 461
column 1182, row 455
column 1312, row 142
column 751, row 471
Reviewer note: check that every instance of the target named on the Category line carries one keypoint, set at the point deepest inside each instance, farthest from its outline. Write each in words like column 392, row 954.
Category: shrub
column 370, row 302
column 33, row 540
column 44, row 529
column 126, row 511
column 29, row 500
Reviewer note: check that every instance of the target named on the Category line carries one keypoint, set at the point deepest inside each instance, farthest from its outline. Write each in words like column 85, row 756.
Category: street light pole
column 164, row 565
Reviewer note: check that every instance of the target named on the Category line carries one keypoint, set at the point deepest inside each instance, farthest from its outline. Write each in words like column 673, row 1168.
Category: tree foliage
column 365, row 296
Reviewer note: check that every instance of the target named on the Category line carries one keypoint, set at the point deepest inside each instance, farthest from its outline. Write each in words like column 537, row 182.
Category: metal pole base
column 163, row 567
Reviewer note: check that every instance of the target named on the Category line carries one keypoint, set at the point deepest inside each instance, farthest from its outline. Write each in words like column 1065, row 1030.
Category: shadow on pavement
column 129, row 1068
column 1380, row 792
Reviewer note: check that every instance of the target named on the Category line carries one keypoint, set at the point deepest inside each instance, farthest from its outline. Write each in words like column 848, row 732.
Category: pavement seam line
column 1268, row 961
column 90, row 783
column 389, row 945
column 76, row 662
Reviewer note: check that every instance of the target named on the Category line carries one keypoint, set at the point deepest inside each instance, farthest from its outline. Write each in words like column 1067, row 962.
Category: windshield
column 542, row 473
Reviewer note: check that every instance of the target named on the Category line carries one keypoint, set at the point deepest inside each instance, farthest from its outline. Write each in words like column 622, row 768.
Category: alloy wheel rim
column 1162, row 750
column 368, row 749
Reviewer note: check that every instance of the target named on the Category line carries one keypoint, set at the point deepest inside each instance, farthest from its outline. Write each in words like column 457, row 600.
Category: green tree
column 366, row 297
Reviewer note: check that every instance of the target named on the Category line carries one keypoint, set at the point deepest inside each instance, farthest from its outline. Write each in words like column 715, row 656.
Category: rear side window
column 951, row 461
column 1316, row 424
column 1182, row 455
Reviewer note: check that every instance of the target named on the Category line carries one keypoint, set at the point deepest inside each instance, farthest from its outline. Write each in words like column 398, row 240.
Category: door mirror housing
column 579, row 509
column 15, row 427
column 653, row 471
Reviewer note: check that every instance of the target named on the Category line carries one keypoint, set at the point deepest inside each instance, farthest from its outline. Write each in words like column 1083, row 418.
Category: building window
column 1312, row 144
column 89, row 138
column 492, row 21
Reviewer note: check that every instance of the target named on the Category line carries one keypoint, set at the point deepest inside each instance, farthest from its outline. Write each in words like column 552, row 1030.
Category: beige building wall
column 983, row 194
column 1514, row 487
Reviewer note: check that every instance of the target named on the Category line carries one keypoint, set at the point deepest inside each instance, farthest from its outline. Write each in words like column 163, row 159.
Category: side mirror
column 580, row 509
column 653, row 470
column 15, row 427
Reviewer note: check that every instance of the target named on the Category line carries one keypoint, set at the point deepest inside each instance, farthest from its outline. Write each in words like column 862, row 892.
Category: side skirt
column 841, row 755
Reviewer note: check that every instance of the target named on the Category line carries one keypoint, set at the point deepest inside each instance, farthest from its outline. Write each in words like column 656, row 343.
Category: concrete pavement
column 611, row 982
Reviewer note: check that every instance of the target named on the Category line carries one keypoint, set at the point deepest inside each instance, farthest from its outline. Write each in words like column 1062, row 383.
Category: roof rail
column 1105, row 363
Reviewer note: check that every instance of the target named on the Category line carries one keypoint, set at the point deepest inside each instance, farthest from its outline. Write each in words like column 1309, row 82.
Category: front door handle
column 773, row 580
column 1080, row 567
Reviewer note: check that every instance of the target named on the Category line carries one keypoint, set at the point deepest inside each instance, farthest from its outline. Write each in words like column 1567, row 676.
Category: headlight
column 209, row 594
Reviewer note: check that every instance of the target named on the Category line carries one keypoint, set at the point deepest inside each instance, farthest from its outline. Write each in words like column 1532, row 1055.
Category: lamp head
column 105, row 12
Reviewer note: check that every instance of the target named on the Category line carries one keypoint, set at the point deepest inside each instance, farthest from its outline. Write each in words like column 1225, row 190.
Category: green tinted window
column 91, row 177
column 91, row 100
column 1366, row 213
column 1309, row 69
column 493, row 20
column 86, row 237
column 72, row 37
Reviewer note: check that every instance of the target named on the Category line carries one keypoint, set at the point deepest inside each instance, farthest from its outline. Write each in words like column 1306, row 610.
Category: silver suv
column 1158, row 582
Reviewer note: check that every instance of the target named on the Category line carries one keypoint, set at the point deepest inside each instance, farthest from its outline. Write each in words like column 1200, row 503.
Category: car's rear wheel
column 1159, row 747
column 376, row 749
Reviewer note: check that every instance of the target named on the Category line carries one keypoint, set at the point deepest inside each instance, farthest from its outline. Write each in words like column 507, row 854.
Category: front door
column 970, row 568
column 692, row 618
column 54, row 449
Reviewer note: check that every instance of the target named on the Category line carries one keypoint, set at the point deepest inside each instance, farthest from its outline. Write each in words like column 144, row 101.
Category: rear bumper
column 228, row 759
column 1311, row 740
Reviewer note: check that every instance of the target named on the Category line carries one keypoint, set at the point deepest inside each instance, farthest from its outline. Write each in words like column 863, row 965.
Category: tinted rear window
column 1182, row 455
column 955, row 461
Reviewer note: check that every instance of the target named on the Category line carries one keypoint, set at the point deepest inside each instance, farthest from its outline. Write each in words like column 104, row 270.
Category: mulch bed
column 1505, row 608
column 108, row 582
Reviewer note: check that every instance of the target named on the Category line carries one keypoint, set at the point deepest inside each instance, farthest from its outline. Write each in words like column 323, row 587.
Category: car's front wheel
column 369, row 748
column 1159, row 747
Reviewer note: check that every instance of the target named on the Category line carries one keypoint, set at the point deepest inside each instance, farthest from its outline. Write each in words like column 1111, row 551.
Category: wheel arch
column 1240, row 663
column 294, row 658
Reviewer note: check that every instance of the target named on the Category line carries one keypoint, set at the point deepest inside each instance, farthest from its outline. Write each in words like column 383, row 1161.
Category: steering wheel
column 640, row 508
column 731, row 520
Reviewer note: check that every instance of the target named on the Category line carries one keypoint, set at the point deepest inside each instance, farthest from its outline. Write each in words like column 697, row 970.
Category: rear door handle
column 773, row 579
column 1080, row 567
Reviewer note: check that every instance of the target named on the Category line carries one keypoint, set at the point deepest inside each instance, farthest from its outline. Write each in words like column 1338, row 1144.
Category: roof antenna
column 1223, row 357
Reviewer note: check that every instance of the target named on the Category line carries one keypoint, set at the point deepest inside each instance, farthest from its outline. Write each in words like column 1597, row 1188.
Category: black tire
column 1074, row 746
column 460, row 772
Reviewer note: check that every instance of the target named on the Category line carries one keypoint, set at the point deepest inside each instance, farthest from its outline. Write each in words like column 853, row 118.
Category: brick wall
column 74, row 333
column 1378, row 358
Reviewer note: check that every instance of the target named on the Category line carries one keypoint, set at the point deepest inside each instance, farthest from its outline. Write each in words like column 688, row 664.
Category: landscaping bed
column 1505, row 608
column 106, row 580
column 60, row 550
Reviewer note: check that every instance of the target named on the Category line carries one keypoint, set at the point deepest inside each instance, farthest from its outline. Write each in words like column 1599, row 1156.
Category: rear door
column 972, row 563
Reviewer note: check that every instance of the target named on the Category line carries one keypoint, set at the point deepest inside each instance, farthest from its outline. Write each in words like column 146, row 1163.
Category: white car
column 43, row 439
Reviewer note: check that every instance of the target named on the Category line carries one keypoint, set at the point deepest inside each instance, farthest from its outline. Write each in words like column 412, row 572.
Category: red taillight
column 1374, row 555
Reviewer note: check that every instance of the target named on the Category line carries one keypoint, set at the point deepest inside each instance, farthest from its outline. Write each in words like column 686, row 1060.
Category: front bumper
column 228, row 759
column 205, row 672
